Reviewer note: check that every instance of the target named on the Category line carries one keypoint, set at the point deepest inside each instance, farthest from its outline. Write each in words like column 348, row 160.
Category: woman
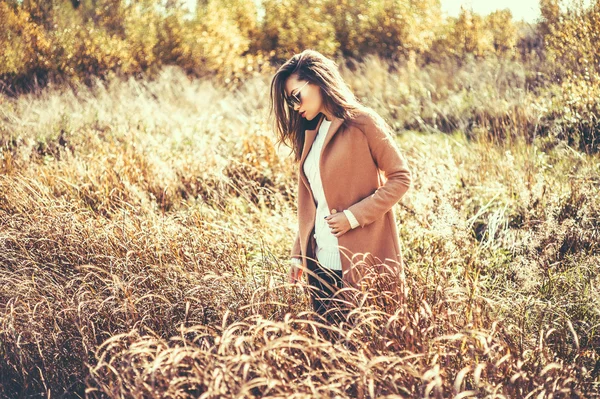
column 351, row 173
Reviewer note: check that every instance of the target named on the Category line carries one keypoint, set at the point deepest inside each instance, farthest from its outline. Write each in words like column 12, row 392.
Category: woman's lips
column 303, row 114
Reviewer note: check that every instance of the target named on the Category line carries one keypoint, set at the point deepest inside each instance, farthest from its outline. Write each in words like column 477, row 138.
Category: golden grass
column 145, row 228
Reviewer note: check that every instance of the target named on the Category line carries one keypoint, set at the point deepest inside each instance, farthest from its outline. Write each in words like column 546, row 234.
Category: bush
column 388, row 28
column 292, row 26
column 571, row 111
column 572, row 37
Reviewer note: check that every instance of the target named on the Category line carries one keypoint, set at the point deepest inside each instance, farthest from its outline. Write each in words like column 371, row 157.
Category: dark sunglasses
column 295, row 98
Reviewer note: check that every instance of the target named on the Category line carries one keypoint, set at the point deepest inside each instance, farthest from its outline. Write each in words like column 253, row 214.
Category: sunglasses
column 295, row 98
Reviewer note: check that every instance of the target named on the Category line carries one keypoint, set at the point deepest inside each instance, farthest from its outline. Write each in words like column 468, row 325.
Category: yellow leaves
column 309, row 28
column 471, row 33
column 572, row 37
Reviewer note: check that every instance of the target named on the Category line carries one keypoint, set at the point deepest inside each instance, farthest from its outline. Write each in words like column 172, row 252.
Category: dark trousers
column 323, row 287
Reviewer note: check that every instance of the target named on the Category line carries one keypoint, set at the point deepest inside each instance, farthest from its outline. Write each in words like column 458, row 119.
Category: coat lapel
column 309, row 137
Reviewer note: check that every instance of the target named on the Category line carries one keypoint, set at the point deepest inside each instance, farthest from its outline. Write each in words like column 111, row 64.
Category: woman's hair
column 311, row 66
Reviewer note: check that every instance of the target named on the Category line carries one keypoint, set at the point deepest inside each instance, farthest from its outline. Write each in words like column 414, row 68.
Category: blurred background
column 547, row 48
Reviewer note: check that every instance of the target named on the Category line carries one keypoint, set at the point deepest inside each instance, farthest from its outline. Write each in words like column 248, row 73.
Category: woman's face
column 309, row 95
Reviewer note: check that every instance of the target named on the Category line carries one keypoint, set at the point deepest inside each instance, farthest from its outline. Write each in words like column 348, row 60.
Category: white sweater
column 327, row 250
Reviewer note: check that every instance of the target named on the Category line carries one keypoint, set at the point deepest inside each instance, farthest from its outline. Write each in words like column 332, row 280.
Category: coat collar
column 309, row 137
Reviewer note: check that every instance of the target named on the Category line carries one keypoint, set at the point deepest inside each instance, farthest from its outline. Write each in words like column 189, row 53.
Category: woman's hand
column 294, row 273
column 338, row 223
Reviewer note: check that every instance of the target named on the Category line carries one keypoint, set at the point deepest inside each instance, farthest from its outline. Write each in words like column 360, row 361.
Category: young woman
column 351, row 173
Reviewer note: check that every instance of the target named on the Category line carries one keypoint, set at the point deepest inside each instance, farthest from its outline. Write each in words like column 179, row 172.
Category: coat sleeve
column 296, row 250
column 295, row 253
column 398, row 177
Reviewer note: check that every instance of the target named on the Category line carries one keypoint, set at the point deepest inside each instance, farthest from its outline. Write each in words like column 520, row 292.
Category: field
column 145, row 227
column 147, row 213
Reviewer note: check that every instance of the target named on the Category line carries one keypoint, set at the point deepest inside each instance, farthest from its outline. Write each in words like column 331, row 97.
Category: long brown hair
column 314, row 67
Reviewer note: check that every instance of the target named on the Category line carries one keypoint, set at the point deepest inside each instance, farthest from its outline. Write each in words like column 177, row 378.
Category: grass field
column 145, row 229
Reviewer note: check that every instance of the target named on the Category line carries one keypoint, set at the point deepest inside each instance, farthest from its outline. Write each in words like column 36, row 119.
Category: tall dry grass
column 145, row 228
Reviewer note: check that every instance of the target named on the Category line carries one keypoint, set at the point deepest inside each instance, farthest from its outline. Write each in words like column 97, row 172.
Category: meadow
column 147, row 213
column 145, row 233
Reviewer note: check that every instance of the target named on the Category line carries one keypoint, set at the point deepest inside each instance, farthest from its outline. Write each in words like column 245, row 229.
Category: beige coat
column 362, row 170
